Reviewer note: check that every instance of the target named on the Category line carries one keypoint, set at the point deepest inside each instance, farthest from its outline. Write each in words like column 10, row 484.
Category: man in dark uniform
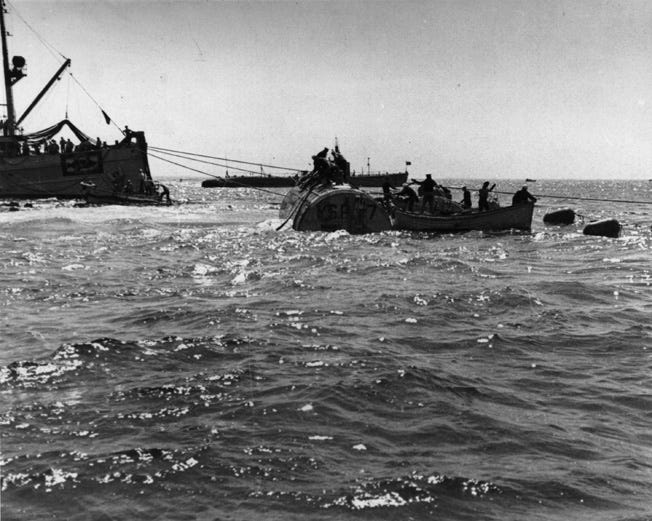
column 409, row 195
column 428, row 186
column 522, row 196
column 387, row 189
column 466, row 198
column 319, row 160
column 342, row 165
column 483, row 196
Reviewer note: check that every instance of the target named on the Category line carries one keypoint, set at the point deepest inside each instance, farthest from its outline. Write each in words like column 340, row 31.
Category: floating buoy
column 606, row 228
column 563, row 217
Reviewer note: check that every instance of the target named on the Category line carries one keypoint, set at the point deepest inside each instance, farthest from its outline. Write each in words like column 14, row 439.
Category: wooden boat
column 29, row 171
column 334, row 207
column 503, row 218
column 155, row 194
column 124, row 199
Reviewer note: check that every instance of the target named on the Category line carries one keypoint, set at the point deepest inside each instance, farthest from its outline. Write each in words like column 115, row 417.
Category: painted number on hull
column 82, row 163
column 355, row 212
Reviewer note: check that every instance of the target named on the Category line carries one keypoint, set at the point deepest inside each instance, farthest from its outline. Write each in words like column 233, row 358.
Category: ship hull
column 377, row 180
column 249, row 181
column 60, row 175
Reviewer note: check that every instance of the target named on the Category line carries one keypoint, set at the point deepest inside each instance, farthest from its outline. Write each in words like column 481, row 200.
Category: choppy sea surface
column 192, row 362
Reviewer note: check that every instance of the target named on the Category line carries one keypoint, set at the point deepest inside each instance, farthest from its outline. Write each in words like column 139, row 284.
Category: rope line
column 215, row 176
column 296, row 209
column 53, row 50
column 574, row 198
column 206, row 162
column 578, row 198
column 94, row 100
column 160, row 150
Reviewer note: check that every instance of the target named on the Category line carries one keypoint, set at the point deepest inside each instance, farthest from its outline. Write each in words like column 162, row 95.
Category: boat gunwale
column 465, row 221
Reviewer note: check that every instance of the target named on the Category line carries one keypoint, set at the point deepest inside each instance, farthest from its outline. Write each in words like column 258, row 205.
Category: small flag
column 408, row 163
column 106, row 118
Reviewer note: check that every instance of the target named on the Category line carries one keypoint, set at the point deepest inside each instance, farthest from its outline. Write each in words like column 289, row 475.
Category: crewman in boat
column 410, row 197
column 387, row 189
column 522, row 196
column 428, row 196
column 163, row 193
column 466, row 198
column 144, row 183
column 483, row 196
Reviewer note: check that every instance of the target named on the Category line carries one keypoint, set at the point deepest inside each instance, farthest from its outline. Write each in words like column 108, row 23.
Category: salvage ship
column 34, row 165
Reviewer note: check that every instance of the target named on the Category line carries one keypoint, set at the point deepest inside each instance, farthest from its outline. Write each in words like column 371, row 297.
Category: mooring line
column 215, row 176
column 169, row 150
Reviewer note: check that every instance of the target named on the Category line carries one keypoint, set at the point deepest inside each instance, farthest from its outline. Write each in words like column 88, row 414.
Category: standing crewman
column 483, row 196
column 428, row 186
column 387, row 187
column 466, row 198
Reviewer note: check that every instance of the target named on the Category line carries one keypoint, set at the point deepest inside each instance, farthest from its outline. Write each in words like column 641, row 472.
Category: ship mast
column 11, row 113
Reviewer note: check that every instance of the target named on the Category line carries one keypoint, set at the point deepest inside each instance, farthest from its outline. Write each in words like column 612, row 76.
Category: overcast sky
column 479, row 89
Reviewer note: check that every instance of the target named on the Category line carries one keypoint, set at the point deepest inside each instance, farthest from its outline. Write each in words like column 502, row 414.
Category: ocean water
column 192, row 362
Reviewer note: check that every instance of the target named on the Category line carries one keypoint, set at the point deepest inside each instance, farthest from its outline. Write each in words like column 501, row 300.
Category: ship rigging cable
column 213, row 175
column 208, row 162
column 54, row 51
column 168, row 150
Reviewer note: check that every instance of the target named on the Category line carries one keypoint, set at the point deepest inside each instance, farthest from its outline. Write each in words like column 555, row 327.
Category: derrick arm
column 44, row 90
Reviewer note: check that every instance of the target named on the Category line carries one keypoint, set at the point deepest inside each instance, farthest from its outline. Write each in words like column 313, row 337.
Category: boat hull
column 377, row 180
column 338, row 207
column 249, row 181
column 61, row 175
column 124, row 199
column 508, row 218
